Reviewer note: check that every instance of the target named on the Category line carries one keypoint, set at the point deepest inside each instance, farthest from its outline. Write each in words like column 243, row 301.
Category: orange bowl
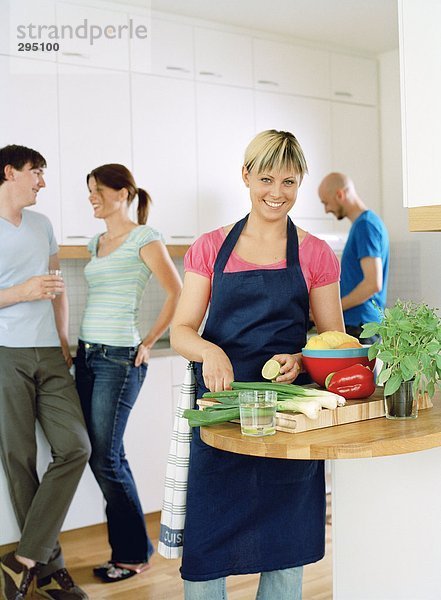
column 319, row 363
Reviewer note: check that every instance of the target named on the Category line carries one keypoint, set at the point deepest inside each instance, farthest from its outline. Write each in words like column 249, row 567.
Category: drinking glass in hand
column 59, row 274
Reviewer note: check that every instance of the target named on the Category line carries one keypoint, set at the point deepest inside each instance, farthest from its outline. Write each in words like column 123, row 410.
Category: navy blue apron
column 250, row 514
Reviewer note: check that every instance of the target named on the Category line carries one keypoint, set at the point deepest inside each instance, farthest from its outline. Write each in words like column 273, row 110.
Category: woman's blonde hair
column 273, row 150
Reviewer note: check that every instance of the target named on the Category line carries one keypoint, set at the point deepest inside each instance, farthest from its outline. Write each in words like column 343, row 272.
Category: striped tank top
column 116, row 283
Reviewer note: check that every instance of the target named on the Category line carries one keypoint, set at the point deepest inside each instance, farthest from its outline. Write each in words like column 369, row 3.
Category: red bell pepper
column 356, row 381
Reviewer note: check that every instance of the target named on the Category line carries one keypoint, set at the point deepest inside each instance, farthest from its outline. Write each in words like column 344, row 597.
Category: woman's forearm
column 188, row 343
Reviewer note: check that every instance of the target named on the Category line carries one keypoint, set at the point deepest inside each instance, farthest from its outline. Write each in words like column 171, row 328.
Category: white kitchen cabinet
column 225, row 126
column 94, row 107
column 420, row 78
column 169, row 51
column 287, row 68
column 148, row 433
column 164, row 153
column 223, row 58
column 100, row 36
column 29, row 117
column 20, row 21
column 353, row 79
column 355, row 151
column 309, row 120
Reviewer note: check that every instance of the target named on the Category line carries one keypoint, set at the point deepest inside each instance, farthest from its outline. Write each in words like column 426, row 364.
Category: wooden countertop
column 364, row 439
column 81, row 252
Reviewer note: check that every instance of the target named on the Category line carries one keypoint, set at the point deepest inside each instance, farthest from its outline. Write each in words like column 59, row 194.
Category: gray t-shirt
column 25, row 252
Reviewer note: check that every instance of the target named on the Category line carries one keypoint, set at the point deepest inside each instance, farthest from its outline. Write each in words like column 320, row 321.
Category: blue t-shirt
column 367, row 237
column 25, row 252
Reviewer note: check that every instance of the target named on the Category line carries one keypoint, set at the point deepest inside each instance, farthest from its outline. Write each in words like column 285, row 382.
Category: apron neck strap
column 292, row 245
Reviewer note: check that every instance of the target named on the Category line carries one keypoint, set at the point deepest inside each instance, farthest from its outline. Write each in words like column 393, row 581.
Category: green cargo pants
column 35, row 385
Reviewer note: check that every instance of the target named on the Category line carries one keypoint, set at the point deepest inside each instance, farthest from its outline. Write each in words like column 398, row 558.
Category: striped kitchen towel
column 175, row 492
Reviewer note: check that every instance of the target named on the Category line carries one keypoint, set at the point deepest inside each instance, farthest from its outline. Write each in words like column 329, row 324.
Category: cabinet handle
column 81, row 237
column 345, row 94
column 77, row 54
column 267, row 82
column 181, row 69
column 210, row 73
column 182, row 237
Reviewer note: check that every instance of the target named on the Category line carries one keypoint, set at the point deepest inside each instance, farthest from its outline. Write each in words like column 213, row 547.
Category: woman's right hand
column 217, row 369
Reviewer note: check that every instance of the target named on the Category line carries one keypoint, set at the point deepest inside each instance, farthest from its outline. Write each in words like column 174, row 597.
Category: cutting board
column 354, row 410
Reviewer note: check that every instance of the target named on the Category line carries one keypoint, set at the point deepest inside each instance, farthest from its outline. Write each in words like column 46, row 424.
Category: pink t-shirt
column 318, row 262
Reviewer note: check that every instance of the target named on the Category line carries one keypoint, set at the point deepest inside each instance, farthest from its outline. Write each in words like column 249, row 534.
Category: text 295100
column 38, row 47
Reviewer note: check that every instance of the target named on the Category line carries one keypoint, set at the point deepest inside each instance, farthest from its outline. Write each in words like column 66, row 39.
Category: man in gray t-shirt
column 35, row 384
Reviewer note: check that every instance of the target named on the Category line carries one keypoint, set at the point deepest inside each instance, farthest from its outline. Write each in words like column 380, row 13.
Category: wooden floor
column 87, row 547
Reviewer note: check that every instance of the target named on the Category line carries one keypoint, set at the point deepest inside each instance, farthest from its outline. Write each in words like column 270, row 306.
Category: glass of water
column 58, row 273
column 258, row 412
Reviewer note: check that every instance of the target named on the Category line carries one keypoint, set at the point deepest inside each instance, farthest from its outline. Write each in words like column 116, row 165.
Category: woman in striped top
column 112, row 356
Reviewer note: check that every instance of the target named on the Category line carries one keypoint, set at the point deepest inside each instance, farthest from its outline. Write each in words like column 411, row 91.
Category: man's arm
column 40, row 287
column 371, row 283
column 61, row 313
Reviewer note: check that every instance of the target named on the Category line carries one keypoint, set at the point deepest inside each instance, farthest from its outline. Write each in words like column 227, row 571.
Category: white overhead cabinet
column 29, row 117
column 94, row 108
column 168, row 49
column 355, row 149
column 225, row 126
column 290, row 69
column 24, row 29
column 420, row 76
column 99, row 38
column 309, row 120
column 164, row 153
column 223, row 58
column 353, row 79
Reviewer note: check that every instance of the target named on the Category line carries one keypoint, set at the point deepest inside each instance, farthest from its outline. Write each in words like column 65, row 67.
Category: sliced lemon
column 271, row 369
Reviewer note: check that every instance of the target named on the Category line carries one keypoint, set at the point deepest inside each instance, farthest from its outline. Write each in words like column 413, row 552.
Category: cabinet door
column 355, row 151
column 164, row 153
column 93, row 37
column 148, row 434
column 26, row 22
column 420, row 77
column 353, row 79
column 94, row 130
column 287, row 68
column 225, row 125
column 168, row 50
column 29, row 117
column 224, row 58
column 310, row 121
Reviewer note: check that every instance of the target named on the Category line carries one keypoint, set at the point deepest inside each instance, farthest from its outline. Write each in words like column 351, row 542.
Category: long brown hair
column 117, row 177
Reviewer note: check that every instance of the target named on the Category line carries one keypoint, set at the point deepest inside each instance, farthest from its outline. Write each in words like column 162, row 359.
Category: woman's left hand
column 142, row 356
column 291, row 366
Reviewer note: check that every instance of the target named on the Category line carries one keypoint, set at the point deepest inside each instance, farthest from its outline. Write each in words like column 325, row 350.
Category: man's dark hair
column 18, row 157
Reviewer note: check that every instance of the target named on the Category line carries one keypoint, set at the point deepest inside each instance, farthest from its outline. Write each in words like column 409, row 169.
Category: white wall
column 415, row 271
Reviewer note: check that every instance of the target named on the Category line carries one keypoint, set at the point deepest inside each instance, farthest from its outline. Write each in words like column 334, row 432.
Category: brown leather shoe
column 15, row 578
column 59, row 585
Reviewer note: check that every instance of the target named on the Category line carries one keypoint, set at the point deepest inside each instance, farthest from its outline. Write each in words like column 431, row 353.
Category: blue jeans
column 108, row 384
column 285, row 584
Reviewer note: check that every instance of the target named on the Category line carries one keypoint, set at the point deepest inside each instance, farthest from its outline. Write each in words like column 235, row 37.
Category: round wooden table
column 365, row 439
column 385, row 508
